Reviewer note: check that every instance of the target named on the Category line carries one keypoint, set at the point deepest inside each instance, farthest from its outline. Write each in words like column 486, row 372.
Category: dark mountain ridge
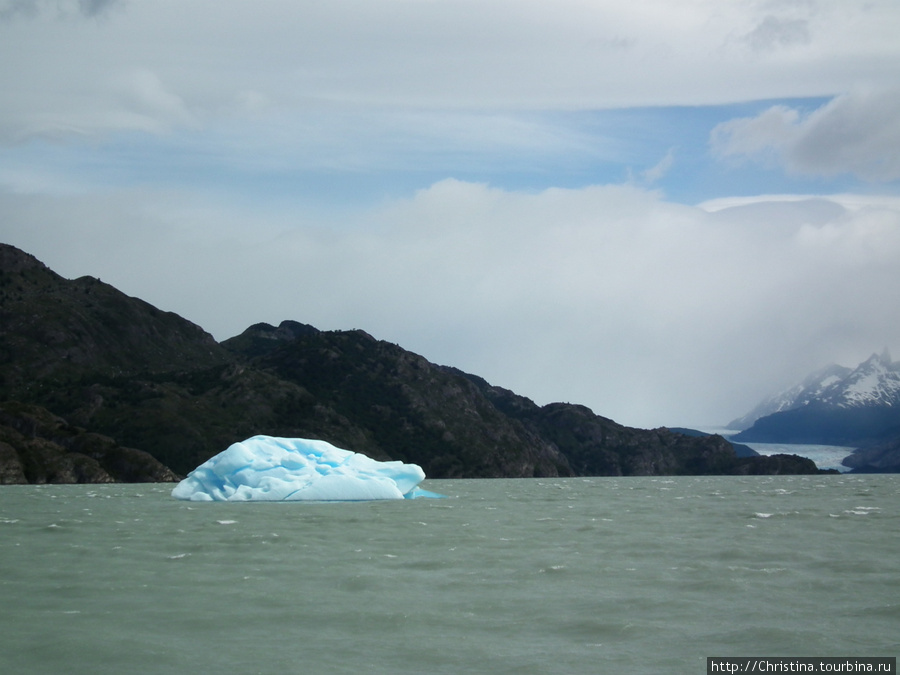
column 95, row 361
column 409, row 408
column 54, row 329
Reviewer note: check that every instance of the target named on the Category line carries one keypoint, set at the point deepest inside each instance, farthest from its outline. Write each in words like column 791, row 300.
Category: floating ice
column 265, row 468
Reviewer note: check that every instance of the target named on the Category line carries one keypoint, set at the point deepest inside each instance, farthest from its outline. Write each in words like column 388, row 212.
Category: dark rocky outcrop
column 773, row 465
column 739, row 449
column 37, row 446
column 883, row 457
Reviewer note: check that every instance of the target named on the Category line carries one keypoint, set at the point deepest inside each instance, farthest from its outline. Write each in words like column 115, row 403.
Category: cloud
column 128, row 101
column 774, row 32
column 648, row 311
column 660, row 169
column 11, row 9
column 857, row 132
column 488, row 57
column 146, row 104
column 95, row 7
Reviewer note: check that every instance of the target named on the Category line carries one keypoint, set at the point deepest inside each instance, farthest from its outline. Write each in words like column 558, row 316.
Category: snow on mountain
column 874, row 382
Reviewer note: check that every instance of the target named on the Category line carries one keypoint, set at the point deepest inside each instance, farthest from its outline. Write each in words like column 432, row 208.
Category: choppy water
column 599, row 575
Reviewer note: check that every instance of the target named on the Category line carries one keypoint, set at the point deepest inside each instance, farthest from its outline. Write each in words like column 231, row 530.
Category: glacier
column 267, row 468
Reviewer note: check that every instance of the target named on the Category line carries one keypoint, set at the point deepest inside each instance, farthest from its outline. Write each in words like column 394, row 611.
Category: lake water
column 579, row 575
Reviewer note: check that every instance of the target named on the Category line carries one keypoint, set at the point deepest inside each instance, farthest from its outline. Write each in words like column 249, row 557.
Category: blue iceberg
column 266, row 468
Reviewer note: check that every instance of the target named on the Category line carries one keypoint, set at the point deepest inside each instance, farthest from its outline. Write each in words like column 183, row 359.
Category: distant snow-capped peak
column 874, row 382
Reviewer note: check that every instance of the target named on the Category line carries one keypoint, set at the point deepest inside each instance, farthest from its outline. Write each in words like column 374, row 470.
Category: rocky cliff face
column 115, row 367
column 39, row 447
column 880, row 457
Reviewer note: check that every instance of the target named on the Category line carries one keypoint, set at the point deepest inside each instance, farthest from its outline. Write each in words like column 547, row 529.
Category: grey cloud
column 120, row 100
column 528, row 55
column 857, row 132
column 774, row 32
column 11, row 9
column 95, row 7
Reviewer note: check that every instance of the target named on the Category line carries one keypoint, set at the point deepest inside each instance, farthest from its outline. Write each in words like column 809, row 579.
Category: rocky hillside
column 597, row 446
column 881, row 457
column 409, row 408
column 103, row 370
column 56, row 331
column 39, row 447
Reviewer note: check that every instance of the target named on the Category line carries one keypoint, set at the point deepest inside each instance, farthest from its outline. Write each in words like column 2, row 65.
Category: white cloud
column 471, row 56
column 649, row 312
column 660, row 169
column 136, row 100
column 774, row 32
column 857, row 132
column 146, row 104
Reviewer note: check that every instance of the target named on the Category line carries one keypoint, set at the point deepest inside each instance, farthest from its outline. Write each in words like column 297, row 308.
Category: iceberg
column 266, row 468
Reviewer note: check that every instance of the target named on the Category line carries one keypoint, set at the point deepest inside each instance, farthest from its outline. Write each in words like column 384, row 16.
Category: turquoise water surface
column 579, row 575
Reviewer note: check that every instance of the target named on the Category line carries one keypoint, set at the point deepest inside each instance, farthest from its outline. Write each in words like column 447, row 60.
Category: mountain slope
column 54, row 330
column 800, row 394
column 837, row 406
column 874, row 382
column 598, row 446
column 411, row 409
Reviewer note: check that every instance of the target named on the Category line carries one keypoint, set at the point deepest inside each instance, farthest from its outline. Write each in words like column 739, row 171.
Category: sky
column 664, row 210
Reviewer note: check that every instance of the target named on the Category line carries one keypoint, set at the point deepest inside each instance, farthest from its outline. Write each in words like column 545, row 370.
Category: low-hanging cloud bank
column 649, row 312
